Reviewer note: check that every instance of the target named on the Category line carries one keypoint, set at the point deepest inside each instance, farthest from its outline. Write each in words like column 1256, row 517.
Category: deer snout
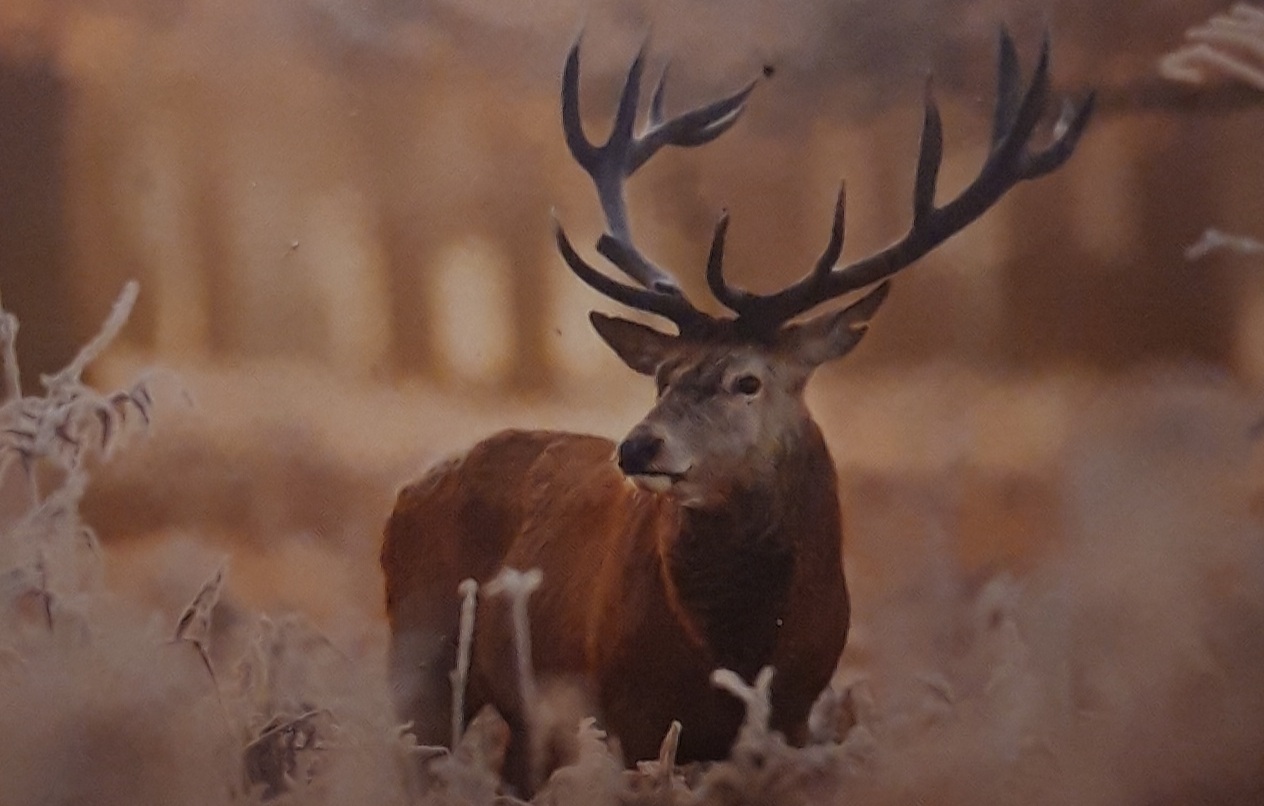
column 638, row 452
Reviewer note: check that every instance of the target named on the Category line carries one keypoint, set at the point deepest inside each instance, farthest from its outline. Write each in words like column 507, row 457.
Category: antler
column 612, row 163
column 1009, row 162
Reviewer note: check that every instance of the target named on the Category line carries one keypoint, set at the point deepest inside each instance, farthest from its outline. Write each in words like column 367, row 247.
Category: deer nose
column 638, row 451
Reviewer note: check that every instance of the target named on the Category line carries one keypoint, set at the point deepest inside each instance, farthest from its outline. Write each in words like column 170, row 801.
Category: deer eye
column 747, row 385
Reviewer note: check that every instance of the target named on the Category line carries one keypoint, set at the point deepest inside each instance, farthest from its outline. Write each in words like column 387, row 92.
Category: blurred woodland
column 368, row 185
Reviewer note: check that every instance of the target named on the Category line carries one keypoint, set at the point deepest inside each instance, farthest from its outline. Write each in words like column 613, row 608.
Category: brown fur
column 642, row 598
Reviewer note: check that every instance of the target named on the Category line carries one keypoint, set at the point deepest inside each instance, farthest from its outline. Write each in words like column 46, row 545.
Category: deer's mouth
column 659, row 481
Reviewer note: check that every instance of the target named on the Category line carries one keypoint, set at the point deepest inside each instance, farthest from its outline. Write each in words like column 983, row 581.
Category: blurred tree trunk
column 1140, row 301
column 34, row 283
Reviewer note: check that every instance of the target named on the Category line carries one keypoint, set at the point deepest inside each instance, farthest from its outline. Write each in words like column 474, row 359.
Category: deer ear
column 833, row 335
column 641, row 348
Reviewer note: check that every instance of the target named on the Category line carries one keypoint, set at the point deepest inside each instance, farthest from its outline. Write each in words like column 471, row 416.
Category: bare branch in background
column 1228, row 46
column 1214, row 240
column 114, row 323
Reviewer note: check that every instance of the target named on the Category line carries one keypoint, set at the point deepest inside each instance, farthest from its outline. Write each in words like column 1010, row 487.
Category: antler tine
column 610, row 164
column 696, row 127
column 834, row 248
column 728, row 296
column 930, row 156
column 656, row 100
column 1009, row 162
column 1008, row 87
column 738, row 300
column 673, row 307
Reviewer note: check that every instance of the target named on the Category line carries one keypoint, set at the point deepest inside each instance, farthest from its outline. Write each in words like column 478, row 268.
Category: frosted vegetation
column 1059, row 591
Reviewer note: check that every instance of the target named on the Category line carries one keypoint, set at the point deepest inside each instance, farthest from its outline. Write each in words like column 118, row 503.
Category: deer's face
column 727, row 409
column 721, row 420
column 730, row 395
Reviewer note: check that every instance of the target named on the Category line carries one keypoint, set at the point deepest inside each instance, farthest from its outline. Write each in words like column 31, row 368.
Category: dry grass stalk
column 459, row 676
column 518, row 586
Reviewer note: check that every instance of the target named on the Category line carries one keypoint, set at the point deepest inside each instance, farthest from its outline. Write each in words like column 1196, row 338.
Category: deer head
column 730, row 388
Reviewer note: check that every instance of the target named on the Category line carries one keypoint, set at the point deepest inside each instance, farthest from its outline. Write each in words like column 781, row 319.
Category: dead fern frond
column 70, row 420
column 194, row 624
column 194, row 627
column 284, row 754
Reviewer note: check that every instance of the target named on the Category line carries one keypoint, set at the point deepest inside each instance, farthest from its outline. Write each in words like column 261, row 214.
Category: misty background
column 338, row 212
column 367, row 185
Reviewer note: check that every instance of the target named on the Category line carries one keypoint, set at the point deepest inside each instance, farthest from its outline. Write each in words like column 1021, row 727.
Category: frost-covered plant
column 70, row 420
column 50, row 436
column 517, row 586
column 83, row 668
column 460, row 675
column 1213, row 240
column 1229, row 46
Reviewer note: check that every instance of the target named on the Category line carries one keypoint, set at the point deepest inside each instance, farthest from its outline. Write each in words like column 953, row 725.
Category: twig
column 518, row 587
column 1228, row 45
column 113, row 324
column 756, row 698
column 1214, row 240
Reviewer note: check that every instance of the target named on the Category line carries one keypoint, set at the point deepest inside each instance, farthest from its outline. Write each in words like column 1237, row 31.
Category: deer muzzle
column 638, row 452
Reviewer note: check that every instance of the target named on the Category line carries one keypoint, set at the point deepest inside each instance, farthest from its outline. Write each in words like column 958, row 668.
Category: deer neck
column 731, row 571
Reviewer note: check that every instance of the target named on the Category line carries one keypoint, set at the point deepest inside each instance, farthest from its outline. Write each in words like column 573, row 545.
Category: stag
column 710, row 536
